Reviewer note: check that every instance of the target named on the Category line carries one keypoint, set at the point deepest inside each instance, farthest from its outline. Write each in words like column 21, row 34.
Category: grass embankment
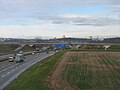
column 8, row 47
column 93, row 70
column 27, row 48
column 89, row 50
column 114, row 48
column 36, row 77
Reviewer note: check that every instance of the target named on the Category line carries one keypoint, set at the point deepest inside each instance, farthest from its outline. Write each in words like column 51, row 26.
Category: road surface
column 4, row 57
column 10, row 70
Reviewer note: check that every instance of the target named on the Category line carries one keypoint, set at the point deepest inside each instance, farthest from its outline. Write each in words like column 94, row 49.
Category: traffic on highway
column 9, row 70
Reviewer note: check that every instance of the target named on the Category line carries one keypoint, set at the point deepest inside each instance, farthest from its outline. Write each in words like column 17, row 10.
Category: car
column 33, row 53
column 21, row 52
column 47, row 51
column 38, row 53
column 11, row 59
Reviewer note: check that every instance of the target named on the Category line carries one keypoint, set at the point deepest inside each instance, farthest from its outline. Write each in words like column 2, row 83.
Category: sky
column 55, row 18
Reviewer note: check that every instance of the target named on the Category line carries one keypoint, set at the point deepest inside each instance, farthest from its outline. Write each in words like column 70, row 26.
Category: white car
column 38, row 53
column 11, row 59
column 33, row 53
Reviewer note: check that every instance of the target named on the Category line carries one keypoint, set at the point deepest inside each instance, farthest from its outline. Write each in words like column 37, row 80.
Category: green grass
column 114, row 48
column 27, row 48
column 8, row 47
column 109, row 50
column 75, row 49
column 36, row 77
column 87, row 76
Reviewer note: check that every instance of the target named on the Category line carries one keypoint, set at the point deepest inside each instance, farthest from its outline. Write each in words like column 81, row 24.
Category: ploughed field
column 87, row 71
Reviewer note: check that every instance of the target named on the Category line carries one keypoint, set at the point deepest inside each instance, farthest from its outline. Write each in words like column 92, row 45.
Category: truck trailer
column 19, row 58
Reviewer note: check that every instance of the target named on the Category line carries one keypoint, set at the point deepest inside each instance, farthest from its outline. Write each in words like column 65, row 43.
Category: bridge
column 76, row 43
column 53, row 43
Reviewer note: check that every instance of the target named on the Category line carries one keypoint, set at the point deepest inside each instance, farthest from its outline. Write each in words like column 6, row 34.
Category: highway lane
column 6, row 63
column 7, row 55
column 11, row 72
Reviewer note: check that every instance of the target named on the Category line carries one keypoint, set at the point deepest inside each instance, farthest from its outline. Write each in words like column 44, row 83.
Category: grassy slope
column 27, row 48
column 8, row 47
column 36, row 78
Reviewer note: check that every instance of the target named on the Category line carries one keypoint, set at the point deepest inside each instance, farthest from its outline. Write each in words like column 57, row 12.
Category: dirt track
column 57, row 83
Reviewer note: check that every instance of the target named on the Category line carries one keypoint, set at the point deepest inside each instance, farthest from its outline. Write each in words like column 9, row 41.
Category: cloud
column 76, row 19
column 27, row 12
column 91, row 2
column 71, row 19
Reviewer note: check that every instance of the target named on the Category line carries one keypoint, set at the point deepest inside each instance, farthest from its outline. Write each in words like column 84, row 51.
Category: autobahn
column 10, row 70
column 53, row 43
column 5, row 57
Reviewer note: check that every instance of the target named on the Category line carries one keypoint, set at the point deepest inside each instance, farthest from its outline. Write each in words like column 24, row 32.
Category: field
column 72, row 70
column 27, row 48
column 87, row 71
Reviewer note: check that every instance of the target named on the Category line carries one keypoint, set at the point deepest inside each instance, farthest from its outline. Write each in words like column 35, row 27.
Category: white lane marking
column 16, row 67
column 3, row 76
column 11, row 79
column 8, row 72
column 11, row 66
column 13, row 70
column 8, row 68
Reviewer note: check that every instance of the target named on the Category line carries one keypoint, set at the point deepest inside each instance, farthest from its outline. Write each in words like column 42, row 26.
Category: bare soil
column 105, row 62
column 57, row 83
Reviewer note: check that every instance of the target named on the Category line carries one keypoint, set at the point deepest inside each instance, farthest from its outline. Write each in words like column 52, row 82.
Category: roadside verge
column 37, row 76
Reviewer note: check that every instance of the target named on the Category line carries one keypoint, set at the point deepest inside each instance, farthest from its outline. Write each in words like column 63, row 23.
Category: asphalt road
column 2, row 57
column 10, row 70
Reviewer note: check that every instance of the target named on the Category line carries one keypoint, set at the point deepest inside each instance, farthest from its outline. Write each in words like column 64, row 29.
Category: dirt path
column 57, row 83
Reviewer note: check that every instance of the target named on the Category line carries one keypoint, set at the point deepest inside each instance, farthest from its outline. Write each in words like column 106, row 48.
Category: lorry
column 19, row 58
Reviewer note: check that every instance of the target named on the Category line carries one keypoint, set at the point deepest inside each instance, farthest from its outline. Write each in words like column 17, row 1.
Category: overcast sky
column 55, row 18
